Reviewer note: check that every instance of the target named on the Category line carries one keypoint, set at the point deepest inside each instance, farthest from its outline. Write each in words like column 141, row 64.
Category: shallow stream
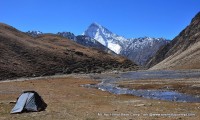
column 108, row 83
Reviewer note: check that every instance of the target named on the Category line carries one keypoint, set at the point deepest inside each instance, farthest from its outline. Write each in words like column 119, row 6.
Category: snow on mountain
column 105, row 37
column 90, row 42
column 34, row 33
column 139, row 50
column 85, row 41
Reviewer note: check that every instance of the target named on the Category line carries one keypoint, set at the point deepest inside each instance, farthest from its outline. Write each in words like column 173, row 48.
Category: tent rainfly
column 29, row 101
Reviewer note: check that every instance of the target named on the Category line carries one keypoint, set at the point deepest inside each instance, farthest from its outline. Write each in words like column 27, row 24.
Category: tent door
column 19, row 106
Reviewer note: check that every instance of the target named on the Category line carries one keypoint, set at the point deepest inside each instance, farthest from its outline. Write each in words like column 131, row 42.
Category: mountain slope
column 80, row 39
column 183, row 52
column 48, row 54
column 85, row 41
column 139, row 50
column 89, row 42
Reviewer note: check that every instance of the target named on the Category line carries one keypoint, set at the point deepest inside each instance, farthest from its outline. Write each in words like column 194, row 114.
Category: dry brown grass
column 188, row 59
column 67, row 100
column 189, row 86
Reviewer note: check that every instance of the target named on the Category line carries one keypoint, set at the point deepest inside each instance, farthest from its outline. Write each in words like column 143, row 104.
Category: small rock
column 12, row 102
column 139, row 105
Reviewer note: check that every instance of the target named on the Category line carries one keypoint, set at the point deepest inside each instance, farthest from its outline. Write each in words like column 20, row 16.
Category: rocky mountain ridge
column 183, row 52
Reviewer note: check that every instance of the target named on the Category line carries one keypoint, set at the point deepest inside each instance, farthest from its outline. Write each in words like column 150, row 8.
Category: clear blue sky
column 129, row 18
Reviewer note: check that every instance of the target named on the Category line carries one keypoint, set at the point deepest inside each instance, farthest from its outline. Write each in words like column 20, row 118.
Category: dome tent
column 29, row 101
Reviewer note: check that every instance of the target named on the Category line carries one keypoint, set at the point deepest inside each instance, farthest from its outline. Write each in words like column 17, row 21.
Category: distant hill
column 25, row 56
column 183, row 52
column 80, row 39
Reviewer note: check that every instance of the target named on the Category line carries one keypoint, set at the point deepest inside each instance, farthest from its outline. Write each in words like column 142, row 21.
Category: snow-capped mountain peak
column 138, row 50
